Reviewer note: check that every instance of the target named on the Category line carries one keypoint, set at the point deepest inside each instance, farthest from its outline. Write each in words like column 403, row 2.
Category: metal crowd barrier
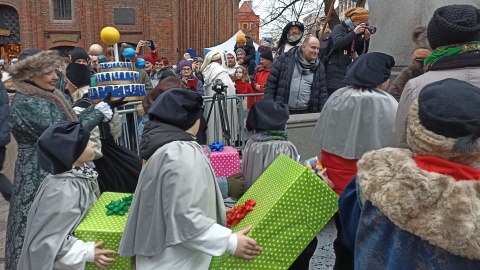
column 237, row 112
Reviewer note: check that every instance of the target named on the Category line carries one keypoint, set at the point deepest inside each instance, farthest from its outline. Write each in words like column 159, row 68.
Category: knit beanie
column 241, row 38
column 267, row 55
column 148, row 58
column 241, row 50
column 184, row 63
column 79, row 53
column 357, row 14
column 454, row 24
column 78, row 75
column 445, row 122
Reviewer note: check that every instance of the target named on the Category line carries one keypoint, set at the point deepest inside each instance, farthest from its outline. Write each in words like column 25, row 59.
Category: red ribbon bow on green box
column 239, row 212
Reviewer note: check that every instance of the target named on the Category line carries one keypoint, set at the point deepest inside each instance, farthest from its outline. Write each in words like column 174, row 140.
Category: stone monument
column 395, row 20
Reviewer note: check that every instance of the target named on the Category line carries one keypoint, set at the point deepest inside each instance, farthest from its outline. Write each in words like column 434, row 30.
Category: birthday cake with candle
column 118, row 78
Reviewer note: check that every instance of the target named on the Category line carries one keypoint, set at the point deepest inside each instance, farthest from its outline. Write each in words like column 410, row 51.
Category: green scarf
column 442, row 51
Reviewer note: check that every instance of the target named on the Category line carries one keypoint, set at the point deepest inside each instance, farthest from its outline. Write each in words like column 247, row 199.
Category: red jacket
column 245, row 88
column 261, row 79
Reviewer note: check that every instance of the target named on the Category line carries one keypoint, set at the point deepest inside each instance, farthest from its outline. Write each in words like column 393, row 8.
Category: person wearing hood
column 214, row 68
column 63, row 199
column 245, row 44
column 36, row 106
column 178, row 233
column 291, row 36
column 298, row 79
column 349, row 39
column 425, row 198
column 356, row 119
column 231, row 64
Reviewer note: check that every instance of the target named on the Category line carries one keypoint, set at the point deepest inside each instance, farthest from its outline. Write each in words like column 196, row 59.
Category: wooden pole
column 328, row 17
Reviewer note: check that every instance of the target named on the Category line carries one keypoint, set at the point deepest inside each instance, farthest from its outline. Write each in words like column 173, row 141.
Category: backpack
column 326, row 48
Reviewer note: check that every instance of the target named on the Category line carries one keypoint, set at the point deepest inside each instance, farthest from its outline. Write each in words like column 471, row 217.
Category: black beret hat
column 61, row 145
column 451, row 108
column 177, row 107
column 79, row 53
column 268, row 115
column 370, row 70
column 78, row 74
column 267, row 55
column 454, row 24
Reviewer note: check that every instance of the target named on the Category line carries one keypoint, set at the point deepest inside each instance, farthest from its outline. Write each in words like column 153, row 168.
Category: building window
column 253, row 36
column 245, row 26
column 62, row 9
column 252, row 26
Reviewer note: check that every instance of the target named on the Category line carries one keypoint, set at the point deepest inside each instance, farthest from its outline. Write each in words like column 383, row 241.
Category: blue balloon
column 140, row 63
column 102, row 59
column 129, row 54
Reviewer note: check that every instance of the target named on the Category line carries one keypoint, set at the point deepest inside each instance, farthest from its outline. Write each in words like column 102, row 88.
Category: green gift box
column 292, row 206
column 97, row 226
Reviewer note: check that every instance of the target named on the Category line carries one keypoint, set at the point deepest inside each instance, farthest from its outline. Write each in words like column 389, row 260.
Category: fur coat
column 412, row 218
column 33, row 110
column 415, row 69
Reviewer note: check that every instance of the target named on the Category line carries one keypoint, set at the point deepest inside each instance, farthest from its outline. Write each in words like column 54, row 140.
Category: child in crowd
column 177, row 216
column 243, row 85
column 62, row 201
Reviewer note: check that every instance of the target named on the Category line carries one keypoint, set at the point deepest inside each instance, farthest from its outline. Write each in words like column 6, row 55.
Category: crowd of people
column 404, row 159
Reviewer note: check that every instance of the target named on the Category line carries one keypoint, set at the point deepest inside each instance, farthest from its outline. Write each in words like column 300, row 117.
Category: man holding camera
column 349, row 40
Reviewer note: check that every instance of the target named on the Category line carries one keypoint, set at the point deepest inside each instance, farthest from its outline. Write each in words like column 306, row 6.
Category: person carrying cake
column 118, row 168
column 184, row 228
column 36, row 106
column 64, row 198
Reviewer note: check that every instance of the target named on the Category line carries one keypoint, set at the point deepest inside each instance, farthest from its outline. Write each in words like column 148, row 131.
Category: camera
column 147, row 43
column 218, row 86
column 370, row 28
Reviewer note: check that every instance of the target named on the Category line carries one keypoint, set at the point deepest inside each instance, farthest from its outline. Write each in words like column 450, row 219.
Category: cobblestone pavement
column 324, row 257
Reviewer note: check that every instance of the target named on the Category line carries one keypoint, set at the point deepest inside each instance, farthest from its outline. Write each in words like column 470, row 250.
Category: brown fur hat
column 38, row 64
column 427, row 143
column 419, row 37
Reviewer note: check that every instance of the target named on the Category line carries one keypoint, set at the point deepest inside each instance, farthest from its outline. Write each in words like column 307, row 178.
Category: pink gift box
column 225, row 163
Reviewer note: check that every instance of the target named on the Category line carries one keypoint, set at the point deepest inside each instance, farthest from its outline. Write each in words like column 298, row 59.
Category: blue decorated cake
column 120, row 79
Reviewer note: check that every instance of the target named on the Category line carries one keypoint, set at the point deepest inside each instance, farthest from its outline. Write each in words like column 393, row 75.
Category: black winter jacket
column 278, row 82
column 249, row 61
column 4, row 117
column 339, row 61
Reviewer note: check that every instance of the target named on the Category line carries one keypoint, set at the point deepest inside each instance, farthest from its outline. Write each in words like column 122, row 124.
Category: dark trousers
column 5, row 185
column 344, row 258
column 303, row 261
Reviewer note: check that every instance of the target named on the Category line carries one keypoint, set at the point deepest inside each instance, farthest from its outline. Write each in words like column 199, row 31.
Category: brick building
column 174, row 25
column 249, row 22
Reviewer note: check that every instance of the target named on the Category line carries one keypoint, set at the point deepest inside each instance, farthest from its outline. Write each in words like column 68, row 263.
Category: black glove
column 152, row 46
column 114, row 103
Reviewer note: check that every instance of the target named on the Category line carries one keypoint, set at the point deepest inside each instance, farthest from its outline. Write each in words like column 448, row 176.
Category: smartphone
column 147, row 43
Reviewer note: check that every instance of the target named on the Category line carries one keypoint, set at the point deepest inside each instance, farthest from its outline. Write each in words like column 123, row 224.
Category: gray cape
column 62, row 201
column 258, row 155
column 355, row 121
column 177, row 199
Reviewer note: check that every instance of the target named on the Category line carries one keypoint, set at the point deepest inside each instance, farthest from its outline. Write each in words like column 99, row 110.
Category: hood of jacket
column 432, row 206
column 156, row 135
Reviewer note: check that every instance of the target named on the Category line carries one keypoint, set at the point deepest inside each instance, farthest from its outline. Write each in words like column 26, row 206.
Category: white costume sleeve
column 215, row 241
column 77, row 256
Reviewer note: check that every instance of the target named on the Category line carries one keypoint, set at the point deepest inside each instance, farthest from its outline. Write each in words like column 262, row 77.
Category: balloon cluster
column 131, row 55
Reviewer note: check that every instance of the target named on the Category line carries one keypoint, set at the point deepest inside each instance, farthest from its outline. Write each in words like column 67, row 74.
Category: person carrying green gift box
column 177, row 216
column 63, row 199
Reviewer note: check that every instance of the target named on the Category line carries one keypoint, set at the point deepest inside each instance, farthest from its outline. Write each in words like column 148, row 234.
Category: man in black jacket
column 297, row 78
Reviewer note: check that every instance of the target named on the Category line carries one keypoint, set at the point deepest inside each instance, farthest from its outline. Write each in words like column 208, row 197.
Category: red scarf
column 445, row 167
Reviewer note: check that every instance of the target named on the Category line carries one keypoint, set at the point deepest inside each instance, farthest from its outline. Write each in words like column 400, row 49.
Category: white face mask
column 294, row 38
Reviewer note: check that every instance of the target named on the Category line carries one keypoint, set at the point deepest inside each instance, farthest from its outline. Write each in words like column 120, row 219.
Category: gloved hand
column 152, row 46
column 114, row 103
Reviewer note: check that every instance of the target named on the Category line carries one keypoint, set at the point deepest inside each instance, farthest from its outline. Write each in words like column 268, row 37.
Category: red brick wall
column 250, row 19
column 174, row 25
